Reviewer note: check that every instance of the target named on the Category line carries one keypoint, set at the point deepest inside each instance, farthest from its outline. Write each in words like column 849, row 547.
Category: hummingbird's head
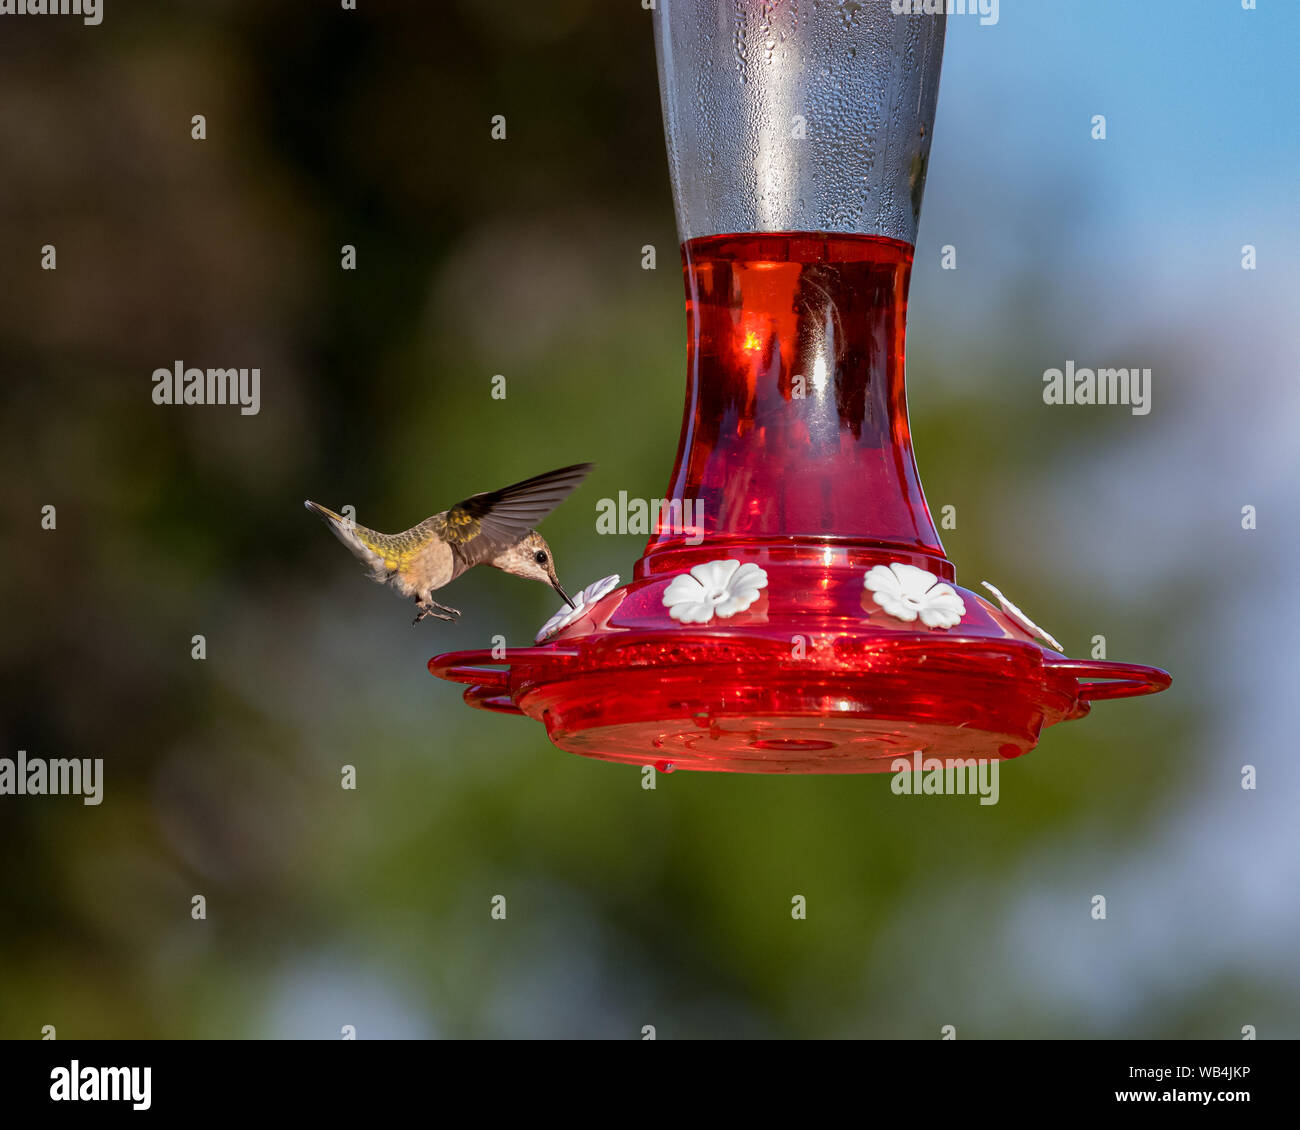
column 532, row 558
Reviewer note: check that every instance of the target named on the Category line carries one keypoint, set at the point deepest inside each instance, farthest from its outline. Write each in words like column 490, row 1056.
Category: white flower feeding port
column 908, row 593
column 716, row 588
column 1021, row 619
column 584, row 600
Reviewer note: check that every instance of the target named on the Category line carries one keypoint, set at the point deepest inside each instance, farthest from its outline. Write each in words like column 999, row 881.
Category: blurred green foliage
column 328, row 907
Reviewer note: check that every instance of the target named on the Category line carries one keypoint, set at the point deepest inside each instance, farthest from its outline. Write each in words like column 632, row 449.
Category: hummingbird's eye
column 539, row 557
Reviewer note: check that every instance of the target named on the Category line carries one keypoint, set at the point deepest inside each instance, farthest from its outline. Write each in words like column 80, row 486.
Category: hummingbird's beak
column 560, row 589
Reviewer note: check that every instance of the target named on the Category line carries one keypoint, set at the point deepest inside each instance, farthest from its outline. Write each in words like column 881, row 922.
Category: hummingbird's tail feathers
column 324, row 511
column 363, row 542
column 485, row 525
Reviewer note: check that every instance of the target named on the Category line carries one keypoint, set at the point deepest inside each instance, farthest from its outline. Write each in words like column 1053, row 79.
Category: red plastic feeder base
column 813, row 677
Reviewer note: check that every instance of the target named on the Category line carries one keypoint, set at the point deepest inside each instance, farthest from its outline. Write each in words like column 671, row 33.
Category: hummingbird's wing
column 486, row 525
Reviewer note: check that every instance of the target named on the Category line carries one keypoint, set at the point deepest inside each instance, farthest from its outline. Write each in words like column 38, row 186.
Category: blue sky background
column 1133, row 251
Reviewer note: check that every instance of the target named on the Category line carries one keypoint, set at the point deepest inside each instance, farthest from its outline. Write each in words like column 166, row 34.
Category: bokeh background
column 523, row 258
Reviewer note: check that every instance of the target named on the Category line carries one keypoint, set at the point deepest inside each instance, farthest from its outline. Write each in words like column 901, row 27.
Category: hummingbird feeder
column 794, row 611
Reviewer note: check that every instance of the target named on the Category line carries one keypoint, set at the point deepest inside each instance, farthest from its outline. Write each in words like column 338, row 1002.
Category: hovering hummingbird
column 495, row 528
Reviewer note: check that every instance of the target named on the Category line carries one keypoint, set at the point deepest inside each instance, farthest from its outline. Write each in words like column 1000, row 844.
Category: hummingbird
column 494, row 528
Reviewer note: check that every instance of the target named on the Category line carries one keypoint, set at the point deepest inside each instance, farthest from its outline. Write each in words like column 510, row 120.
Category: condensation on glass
column 797, row 115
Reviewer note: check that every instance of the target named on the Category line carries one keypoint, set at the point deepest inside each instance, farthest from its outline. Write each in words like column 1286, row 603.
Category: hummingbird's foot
column 434, row 609
column 451, row 612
